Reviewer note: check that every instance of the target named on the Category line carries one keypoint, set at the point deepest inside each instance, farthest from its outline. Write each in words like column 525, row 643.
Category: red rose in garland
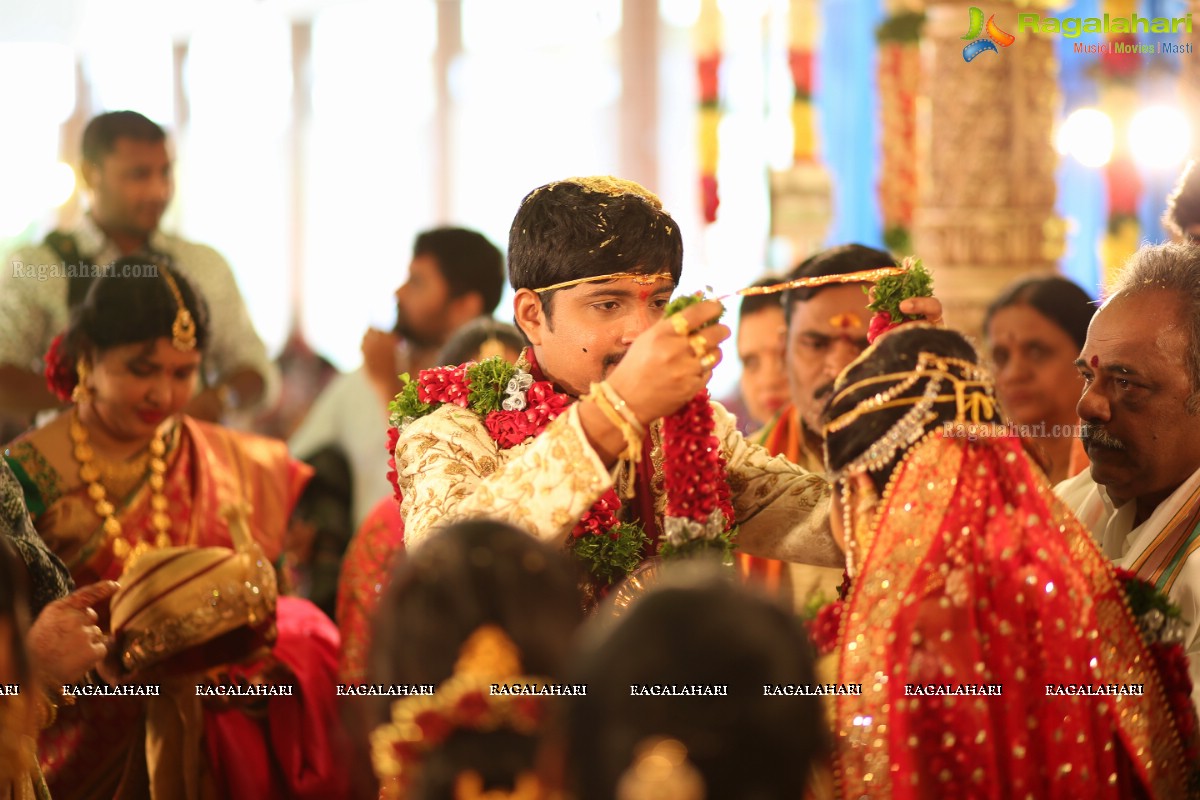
column 514, row 409
column 508, row 428
column 699, row 514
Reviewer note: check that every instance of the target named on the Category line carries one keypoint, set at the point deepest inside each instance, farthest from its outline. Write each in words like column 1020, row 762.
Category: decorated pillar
column 986, row 162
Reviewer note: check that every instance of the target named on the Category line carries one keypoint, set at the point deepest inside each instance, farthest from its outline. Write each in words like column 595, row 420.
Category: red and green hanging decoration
column 707, row 36
column 898, row 73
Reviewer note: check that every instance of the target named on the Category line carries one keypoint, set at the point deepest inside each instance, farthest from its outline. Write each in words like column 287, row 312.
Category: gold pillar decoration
column 986, row 161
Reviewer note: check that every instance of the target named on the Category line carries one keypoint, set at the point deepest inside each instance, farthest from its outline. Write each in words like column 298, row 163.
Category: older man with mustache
column 1141, row 414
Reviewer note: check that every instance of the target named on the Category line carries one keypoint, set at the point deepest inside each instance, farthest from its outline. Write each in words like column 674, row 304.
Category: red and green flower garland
column 515, row 408
column 1162, row 629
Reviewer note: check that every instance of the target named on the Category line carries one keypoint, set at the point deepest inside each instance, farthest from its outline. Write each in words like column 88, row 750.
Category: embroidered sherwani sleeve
column 782, row 509
column 449, row 468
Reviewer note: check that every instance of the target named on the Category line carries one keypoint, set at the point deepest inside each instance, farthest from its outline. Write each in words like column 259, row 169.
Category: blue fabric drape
column 847, row 104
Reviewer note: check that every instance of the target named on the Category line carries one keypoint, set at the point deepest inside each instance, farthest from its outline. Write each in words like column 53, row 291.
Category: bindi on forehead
column 845, row 322
column 1095, row 362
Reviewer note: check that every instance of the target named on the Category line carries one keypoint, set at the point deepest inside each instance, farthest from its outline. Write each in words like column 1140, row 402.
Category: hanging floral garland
column 1116, row 76
column 898, row 72
column 515, row 408
column 802, row 37
column 707, row 36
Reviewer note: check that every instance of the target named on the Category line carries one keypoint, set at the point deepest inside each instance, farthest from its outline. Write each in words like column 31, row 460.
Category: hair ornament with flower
column 421, row 723
column 60, row 371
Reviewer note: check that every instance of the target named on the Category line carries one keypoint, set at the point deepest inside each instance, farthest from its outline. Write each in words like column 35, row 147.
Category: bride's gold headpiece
column 462, row 702
column 973, row 393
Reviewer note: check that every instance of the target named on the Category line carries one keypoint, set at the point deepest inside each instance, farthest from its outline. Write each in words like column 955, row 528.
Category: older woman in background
column 1035, row 330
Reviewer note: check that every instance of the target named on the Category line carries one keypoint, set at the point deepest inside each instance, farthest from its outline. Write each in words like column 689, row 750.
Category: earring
column 82, row 393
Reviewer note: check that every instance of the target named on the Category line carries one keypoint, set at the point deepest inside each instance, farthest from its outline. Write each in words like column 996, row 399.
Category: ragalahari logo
column 994, row 37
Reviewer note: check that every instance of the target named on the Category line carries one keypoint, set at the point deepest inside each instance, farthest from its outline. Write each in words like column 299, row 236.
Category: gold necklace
column 90, row 474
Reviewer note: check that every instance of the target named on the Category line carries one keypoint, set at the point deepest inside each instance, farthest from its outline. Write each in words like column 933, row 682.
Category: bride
column 968, row 579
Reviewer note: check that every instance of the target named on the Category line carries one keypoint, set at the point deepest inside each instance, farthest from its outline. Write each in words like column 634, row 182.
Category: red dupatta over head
column 974, row 573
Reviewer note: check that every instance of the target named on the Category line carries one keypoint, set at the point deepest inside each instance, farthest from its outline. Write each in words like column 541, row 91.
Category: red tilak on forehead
column 1095, row 361
column 643, row 293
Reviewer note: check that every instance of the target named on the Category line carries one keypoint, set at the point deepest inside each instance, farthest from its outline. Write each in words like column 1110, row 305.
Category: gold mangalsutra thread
column 90, row 474
column 640, row 278
column 183, row 329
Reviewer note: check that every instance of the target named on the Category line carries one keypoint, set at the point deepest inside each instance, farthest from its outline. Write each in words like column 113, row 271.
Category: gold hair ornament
column 661, row 771
column 183, row 329
column 973, row 396
column 469, row 786
column 492, row 346
column 463, row 701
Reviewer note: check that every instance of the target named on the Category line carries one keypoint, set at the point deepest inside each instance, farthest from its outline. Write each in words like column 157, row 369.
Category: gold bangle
column 621, row 407
column 633, row 441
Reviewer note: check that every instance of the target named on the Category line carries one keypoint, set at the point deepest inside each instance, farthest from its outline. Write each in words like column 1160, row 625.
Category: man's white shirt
column 33, row 311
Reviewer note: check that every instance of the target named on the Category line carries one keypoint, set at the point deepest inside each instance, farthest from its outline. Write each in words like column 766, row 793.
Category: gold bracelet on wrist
column 621, row 407
column 633, row 439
